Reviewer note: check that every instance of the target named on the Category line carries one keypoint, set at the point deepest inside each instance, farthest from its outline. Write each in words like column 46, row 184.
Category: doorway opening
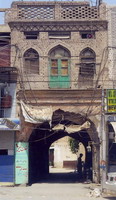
column 64, row 125
column 44, row 165
column 63, row 159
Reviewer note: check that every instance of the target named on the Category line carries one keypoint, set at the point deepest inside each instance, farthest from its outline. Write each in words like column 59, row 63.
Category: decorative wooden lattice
column 78, row 12
column 36, row 12
column 65, row 12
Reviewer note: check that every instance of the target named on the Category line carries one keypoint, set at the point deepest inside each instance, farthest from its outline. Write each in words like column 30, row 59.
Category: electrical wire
column 47, row 81
column 101, row 70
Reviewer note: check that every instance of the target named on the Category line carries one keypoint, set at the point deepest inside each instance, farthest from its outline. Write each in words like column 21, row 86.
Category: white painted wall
column 11, row 112
column 7, row 141
column 62, row 152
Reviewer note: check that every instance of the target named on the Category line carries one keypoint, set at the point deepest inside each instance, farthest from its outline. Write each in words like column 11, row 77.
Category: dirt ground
column 59, row 185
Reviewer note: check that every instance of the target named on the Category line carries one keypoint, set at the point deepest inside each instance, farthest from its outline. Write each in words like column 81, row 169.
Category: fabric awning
column 34, row 114
column 75, row 128
column 37, row 115
column 72, row 128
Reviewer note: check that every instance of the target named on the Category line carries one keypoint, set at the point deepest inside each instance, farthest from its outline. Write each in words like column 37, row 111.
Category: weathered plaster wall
column 7, row 141
column 111, row 15
column 43, row 45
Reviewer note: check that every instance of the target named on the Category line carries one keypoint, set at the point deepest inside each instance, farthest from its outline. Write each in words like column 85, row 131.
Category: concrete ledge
column 6, row 184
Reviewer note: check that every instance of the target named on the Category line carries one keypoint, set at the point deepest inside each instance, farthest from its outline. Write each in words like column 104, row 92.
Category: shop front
column 8, row 128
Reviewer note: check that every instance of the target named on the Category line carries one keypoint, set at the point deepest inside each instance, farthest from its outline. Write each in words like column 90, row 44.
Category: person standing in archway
column 79, row 166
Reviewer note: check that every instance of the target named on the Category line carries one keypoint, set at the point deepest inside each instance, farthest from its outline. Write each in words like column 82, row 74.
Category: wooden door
column 59, row 73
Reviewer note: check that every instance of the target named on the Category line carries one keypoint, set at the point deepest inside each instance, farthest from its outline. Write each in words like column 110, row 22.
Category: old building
column 111, row 117
column 8, row 120
column 61, row 53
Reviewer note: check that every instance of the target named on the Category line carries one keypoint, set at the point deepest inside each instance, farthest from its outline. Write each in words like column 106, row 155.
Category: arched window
column 31, row 61
column 59, row 54
column 59, row 67
column 87, row 62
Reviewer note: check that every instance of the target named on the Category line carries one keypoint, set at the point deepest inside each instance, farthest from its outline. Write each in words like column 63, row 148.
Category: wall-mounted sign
column 111, row 118
column 21, row 162
column 102, row 164
column 111, row 101
column 9, row 124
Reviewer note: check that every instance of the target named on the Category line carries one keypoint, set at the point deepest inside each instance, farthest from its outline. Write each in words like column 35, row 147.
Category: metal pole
column 103, row 147
column 100, row 2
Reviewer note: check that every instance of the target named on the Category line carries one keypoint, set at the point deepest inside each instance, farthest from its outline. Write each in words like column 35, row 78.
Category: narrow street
column 59, row 185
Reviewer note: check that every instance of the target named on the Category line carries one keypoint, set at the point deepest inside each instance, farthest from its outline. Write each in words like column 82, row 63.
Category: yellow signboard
column 111, row 101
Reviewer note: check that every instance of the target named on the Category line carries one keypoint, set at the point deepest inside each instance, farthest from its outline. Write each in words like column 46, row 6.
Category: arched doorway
column 64, row 158
column 43, row 136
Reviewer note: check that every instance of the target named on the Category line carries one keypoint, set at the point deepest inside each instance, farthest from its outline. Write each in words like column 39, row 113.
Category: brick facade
column 86, row 29
column 75, row 44
column 111, row 15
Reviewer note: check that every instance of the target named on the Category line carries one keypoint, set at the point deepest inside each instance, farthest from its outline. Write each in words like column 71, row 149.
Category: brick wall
column 43, row 44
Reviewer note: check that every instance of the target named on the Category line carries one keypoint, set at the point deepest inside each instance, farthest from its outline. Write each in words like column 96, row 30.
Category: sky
column 7, row 4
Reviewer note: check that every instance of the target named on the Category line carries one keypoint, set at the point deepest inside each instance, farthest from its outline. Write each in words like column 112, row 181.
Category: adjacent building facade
column 111, row 117
column 9, row 122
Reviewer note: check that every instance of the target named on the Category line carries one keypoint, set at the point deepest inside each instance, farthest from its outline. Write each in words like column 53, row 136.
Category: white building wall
column 62, row 152
column 7, row 141
column 11, row 112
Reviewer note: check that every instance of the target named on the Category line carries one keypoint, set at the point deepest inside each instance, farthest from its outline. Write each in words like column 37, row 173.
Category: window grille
column 87, row 65
column 31, row 35
column 59, row 35
column 87, row 35
column 31, row 62
column 79, row 12
column 36, row 12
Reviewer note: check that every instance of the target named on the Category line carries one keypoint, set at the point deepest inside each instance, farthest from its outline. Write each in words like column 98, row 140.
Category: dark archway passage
column 40, row 140
column 39, row 158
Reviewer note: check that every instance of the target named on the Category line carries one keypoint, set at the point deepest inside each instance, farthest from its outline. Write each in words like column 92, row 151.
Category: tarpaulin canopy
column 34, row 114
column 72, row 128
column 38, row 114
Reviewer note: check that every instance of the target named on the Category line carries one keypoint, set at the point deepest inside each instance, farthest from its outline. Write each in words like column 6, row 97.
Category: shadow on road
column 110, row 198
column 61, row 177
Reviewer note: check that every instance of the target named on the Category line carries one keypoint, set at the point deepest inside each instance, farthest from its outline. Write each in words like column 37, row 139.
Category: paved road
column 58, row 186
column 49, row 191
